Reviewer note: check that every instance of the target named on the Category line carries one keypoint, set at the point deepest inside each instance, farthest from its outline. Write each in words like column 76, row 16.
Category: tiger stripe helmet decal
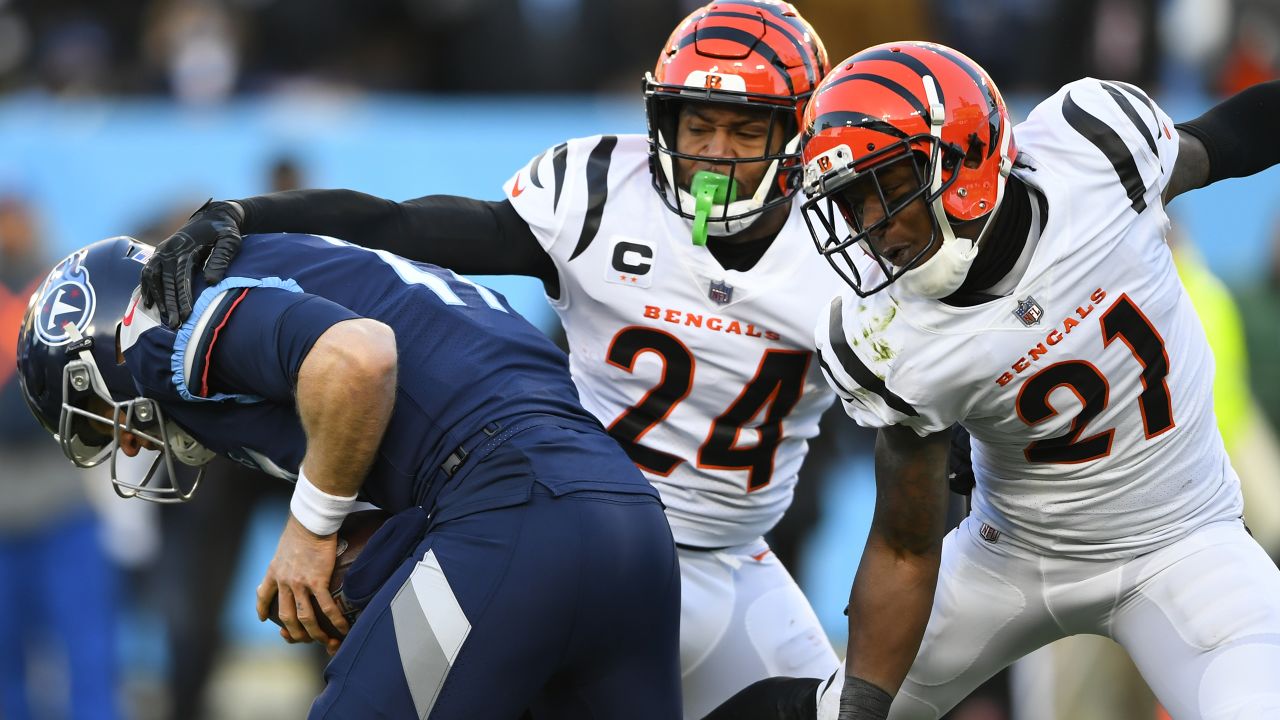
column 888, row 103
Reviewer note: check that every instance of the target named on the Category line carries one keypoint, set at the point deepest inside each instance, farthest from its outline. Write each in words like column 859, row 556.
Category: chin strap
column 945, row 272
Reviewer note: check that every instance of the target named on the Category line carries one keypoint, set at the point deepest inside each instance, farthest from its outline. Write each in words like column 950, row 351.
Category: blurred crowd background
column 206, row 51
column 122, row 116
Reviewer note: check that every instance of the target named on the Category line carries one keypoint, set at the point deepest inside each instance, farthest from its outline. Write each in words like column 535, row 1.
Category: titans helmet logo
column 66, row 299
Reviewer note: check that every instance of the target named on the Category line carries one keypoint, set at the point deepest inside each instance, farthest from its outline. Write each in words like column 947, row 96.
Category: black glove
column 213, row 232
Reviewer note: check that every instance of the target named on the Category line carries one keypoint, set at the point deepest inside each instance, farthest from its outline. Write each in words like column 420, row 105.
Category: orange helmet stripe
column 789, row 29
column 984, row 86
column 749, row 41
column 902, row 92
column 909, row 59
column 853, row 118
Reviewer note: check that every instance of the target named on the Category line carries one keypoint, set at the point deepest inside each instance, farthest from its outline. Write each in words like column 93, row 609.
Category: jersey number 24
column 775, row 389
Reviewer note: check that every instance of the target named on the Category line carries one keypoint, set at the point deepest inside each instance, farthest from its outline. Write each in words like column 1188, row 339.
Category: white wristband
column 317, row 510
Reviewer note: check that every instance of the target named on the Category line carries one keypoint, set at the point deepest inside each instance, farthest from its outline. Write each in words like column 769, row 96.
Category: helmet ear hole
column 974, row 156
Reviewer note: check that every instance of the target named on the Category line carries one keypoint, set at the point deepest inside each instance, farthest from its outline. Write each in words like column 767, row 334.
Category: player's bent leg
column 743, row 619
column 411, row 636
column 987, row 612
column 622, row 660
column 443, row 637
column 1202, row 622
column 941, row 675
column 483, row 621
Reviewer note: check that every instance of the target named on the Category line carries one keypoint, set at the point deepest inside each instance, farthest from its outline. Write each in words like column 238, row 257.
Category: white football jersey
column 706, row 376
column 1088, row 391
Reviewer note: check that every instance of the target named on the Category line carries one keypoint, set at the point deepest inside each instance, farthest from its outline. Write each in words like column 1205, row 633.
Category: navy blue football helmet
column 73, row 375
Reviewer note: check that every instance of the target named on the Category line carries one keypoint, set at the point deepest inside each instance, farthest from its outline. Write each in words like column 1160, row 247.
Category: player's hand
column 213, row 232
column 299, row 573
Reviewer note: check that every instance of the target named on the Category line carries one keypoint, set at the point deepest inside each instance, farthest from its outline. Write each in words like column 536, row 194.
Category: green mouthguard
column 709, row 189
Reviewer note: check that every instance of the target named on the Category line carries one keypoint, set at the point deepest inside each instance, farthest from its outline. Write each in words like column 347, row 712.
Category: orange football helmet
column 914, row 102
column 757, row 53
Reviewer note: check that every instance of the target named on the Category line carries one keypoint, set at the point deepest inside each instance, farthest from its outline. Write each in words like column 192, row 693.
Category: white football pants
column 743, row 619
column 1199, row 617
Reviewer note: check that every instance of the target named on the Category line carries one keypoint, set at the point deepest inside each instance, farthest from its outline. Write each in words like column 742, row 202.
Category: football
column 352, row 538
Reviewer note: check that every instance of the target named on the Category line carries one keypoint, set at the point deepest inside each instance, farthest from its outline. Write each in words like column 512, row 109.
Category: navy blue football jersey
column 469, row 367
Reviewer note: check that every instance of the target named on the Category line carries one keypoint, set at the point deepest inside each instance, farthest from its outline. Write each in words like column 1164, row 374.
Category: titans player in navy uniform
column 529, row 566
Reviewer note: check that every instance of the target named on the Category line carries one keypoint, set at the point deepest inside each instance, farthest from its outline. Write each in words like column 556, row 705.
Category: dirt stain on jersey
column 881, row 351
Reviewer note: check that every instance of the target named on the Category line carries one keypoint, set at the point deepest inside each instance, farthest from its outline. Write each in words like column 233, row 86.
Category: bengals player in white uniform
column 689, row 311
column 1017, row 281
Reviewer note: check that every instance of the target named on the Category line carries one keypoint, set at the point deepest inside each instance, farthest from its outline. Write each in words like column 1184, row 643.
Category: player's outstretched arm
column 477, row 237
column 346, row 391
column 1235, row 138
column 468, row 236
column 893, row 592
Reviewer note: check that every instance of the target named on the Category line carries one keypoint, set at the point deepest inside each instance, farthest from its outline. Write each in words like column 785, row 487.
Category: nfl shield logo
column 1029, row 311
column 989, row 533
column 721, row 292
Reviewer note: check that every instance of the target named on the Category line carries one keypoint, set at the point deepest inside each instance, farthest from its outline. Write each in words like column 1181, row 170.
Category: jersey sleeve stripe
column 533, row 169
column 1142, row 97
column 834, row 379
column 1133, row 116
column 196, row 349
column 196, row 335
column 597, row 191
column 213, row 339
column 855, row 368
column 559, row 163
column 1112, row 146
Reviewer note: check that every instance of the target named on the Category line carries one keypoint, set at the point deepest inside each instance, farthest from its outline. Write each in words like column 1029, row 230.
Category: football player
column 417, row 391
column 682, row 271
column 1016, row 280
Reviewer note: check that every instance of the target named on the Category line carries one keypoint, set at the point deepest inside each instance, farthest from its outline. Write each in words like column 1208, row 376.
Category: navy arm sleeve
column 264, row 338
column 473, row 237
column 1239, row 133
